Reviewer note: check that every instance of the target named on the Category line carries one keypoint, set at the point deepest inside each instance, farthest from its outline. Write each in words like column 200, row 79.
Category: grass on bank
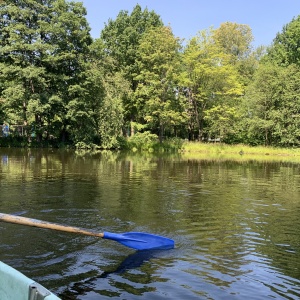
column 148, row 143
column 239, row 152
column 200, row 150
column 238, row 149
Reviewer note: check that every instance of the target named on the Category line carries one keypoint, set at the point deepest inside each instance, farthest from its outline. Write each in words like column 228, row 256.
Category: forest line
column 137, row 82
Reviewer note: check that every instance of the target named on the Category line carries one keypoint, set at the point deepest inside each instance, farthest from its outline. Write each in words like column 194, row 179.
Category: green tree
column 106, row 90
column 211, row 86
column 121, row 38
column 156, row 95
column 43, row 45
column 285, row 47
column 21, row 74
column 261, row 100
column 236, row 40
column 70, row 39
column 287, row 118
column 272, row 105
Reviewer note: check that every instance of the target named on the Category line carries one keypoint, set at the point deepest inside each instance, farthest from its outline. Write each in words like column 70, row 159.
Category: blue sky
column 186, row 17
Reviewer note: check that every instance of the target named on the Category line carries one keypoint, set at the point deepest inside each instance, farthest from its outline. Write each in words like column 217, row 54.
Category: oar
column 135, row 240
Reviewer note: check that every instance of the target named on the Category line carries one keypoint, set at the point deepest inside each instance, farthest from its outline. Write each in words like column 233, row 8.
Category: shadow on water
column 132, row 261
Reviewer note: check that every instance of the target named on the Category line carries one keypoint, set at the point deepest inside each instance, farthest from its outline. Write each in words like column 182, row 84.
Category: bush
column 150, row 142
column 142, row 141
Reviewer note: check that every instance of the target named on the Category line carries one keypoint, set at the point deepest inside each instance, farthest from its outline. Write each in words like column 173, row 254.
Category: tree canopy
column 285, row 47
column 64, row 87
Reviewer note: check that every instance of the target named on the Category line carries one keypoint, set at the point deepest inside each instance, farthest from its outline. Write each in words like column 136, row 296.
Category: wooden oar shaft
column 42, row 224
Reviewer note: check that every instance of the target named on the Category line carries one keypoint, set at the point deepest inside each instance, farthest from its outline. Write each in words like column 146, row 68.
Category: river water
column 236, row 225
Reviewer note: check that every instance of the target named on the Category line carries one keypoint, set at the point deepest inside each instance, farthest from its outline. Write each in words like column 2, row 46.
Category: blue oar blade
column 140, row 240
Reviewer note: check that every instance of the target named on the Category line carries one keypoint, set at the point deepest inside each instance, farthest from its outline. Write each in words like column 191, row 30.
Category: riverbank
column 187, row 149
column 239, row 152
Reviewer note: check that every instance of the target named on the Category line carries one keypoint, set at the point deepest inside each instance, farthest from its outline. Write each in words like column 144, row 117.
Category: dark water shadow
column 132, row 261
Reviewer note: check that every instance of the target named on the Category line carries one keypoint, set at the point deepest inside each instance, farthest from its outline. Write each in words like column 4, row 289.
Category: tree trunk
column 161, row 133
column 131, row 128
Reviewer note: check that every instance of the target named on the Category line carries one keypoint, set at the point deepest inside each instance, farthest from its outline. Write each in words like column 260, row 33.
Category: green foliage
column 155, row 96
column 273, row 105
column 172, row 144
column 212, row 86
column 111, row 112
column 121, row 38
column 69, row 90
column 42, row 47
column 107, row 88
column 235, row 39
column 285, row 47
column 142, row 141
column 146, row 141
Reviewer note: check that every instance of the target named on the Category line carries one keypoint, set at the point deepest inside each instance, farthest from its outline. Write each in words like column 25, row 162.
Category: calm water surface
column 236, row 225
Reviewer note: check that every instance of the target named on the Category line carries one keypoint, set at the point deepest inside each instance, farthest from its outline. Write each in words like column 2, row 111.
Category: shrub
column 142, row 141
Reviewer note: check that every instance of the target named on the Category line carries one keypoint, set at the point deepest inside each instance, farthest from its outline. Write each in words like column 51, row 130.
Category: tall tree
column 211, row 85
column 285, row 47
column 272, row 105
column 43, row 44
column 236, row 40
column 22, row 75
column 156, row 95
column 110, row 87
column 121, row 39
column 70, row 39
